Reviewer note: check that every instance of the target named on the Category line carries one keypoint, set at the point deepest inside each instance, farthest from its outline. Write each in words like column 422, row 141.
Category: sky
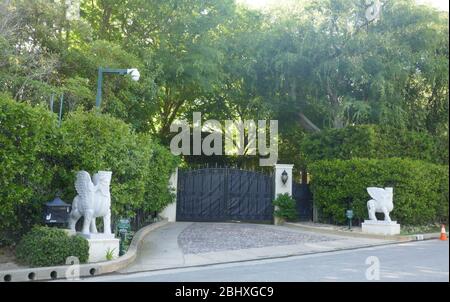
column 439, row 4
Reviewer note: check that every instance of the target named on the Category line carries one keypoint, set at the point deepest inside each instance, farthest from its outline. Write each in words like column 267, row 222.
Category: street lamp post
column 133, row 72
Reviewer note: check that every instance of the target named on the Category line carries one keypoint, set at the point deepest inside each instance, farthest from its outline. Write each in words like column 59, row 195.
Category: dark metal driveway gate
column 304, row 199
column 224, row 194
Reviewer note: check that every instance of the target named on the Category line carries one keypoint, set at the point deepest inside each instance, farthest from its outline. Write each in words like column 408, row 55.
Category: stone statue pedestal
column 380, row 227
column 100, row 244
column 96, row 235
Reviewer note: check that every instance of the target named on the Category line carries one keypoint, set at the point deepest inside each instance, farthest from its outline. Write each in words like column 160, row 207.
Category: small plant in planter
column 110, row 254
column 285, row 208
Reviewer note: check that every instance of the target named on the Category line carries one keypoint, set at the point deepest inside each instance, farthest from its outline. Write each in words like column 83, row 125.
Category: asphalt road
column 413, row 261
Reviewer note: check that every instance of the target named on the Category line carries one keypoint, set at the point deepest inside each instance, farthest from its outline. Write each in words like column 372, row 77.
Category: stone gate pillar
column 170, row 212
column 280, row 187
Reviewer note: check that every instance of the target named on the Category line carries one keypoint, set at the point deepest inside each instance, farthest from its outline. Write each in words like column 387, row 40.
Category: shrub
column 29, row 144
column 286, row 207
column 370, row 141
column 420, row 188
column 141, row 167
column 44, row 246
column 37, row 158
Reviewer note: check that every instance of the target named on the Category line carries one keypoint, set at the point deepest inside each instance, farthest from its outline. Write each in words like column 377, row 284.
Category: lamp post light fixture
column 284, row 177
column 349, row 214
column 133, row 72
column 56, row 212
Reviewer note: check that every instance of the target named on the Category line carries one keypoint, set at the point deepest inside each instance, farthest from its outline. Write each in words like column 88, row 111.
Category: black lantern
column 284, row 177
column 56, row 212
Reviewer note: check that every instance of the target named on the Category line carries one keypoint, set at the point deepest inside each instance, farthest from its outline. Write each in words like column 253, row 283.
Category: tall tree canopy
column 312, row 64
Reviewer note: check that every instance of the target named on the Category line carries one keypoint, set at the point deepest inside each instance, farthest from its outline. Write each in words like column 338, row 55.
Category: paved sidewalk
column 185, row 244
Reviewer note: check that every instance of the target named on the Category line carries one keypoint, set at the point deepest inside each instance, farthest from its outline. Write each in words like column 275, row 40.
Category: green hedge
column 141, row 167
column 44, row 246
column 421, row 192
column 28, row 141
column 37, row 159
column 378, row 142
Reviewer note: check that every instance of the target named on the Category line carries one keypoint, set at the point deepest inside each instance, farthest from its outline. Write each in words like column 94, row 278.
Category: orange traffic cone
column 443, row 233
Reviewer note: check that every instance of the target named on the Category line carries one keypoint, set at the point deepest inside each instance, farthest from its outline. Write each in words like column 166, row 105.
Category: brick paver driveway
column 215, row 237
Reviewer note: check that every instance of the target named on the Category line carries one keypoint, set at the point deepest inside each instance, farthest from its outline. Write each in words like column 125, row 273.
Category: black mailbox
column 56, row 212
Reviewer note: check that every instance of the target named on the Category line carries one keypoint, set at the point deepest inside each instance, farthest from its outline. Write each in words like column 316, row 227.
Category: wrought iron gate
column 224, row 194
column 303, row 196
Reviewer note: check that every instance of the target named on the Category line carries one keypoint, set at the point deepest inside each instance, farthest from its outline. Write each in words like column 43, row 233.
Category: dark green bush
column 370, row 141
column 29, row 143
column 44, row 246
column 286, row 207
column 141, row 167
column 420, row 188
column 37, row 158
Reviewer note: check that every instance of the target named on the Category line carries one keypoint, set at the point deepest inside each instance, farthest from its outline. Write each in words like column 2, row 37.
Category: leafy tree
column 311, row 65
column 324, row 60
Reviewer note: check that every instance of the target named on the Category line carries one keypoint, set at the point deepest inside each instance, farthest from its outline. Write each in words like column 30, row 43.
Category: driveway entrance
column 184, row 244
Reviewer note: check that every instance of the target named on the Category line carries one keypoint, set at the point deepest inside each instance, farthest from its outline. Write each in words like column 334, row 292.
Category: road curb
column 399, row 238
column 85, row 270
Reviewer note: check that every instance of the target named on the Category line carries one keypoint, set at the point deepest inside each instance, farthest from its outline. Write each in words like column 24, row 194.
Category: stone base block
column 96, row 235
column 98, row 248
column 380, row 227
column 278, row 220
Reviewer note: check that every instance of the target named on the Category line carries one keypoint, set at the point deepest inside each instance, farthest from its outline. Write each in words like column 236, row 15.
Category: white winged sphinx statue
column 93, row 200
column 382, row 202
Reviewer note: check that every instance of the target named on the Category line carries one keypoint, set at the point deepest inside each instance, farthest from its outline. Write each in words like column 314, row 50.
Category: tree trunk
column 338, row 122
column 304, row 121
column 307, row 124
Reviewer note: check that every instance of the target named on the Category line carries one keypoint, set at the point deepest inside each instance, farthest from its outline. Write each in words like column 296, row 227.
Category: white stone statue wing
column 99, row 186
column 95, row 179
column 378, row 194
column 84, row 185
